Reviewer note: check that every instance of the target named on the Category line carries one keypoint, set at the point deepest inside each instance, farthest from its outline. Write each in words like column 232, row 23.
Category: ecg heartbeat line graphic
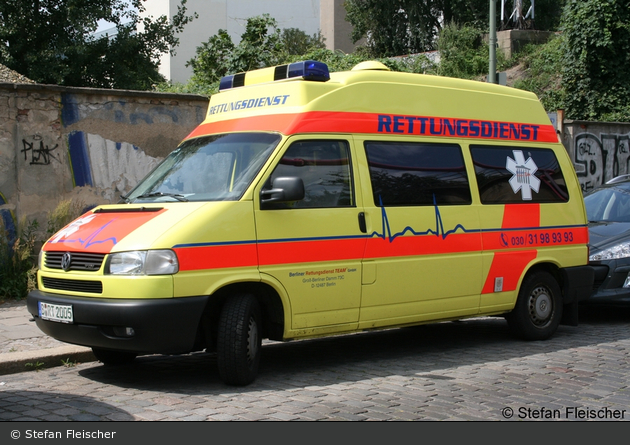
column 438, row 231
column 91, row 238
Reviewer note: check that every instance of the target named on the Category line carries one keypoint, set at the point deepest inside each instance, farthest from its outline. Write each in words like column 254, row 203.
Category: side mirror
column 283, row 189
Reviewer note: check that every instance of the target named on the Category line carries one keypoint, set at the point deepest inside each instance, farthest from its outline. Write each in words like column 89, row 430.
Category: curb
column 14, row 362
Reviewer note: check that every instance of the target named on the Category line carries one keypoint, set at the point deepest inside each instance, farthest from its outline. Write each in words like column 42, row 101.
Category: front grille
column 90, row 287
column 86, row 262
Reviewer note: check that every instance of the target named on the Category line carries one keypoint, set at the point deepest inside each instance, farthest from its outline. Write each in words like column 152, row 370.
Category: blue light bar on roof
column 307, row 70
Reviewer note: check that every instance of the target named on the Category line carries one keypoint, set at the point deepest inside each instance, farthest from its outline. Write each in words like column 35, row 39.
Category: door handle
column 362, row 225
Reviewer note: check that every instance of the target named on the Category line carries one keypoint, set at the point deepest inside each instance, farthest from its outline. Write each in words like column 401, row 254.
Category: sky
column 103, row 25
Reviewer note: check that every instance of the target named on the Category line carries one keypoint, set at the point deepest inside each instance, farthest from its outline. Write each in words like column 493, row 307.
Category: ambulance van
column 311, row 203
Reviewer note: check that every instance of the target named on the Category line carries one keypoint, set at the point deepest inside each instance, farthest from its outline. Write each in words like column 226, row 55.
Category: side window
column 417, row 174
column 510, row 175
column 324, row 167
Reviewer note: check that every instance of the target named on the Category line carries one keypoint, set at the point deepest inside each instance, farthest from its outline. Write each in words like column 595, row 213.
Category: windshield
column 209, row 168
column 608, row 204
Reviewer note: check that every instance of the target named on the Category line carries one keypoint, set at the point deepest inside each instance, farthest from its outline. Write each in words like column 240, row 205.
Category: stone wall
column 599, row 150
column 89, row 145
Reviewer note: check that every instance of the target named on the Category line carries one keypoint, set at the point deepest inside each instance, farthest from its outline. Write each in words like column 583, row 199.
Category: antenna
column 517, row 20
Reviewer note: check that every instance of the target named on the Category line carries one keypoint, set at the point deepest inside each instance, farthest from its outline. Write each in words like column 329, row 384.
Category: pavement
column 23, row 347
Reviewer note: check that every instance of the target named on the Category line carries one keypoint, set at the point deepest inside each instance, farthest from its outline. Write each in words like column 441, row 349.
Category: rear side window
column 511, row 175
column 417, row 174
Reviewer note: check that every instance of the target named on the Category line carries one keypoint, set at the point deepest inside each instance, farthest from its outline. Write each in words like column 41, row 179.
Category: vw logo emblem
column 66, row 260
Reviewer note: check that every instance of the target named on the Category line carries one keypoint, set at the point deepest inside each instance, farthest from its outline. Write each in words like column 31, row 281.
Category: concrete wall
column 599, row 150
column 512, row 41
column 334, row 27
column 90, row 145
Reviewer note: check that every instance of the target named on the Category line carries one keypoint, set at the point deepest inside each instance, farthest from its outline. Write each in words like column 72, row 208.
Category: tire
column 538, row 309
column 239, row 340
column 113, row 358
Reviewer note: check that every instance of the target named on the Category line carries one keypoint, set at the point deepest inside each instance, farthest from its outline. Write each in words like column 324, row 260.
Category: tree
column 398, row 27
column 394, row 27
column 597, row 59
column 52, row 41
column 296, row 41
column 463, row 53
column 262, row 45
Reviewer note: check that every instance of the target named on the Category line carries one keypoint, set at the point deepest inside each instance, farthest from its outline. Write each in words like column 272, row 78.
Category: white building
column 310, row 16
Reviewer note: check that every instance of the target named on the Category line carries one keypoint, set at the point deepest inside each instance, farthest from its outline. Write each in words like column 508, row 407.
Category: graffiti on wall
column 7, row 222
column 105, row 164
column 38, row 153
column 601, row 158
column 121, row 112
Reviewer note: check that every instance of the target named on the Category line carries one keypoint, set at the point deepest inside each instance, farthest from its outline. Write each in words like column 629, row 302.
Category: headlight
column 143, row 262
column 614, row 252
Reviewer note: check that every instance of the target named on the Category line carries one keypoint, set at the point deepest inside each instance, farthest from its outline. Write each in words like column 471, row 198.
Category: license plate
column 55, row 312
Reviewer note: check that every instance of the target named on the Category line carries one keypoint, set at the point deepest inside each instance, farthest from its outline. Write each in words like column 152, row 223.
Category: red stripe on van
column 521, row 215
column 310, row 251
column 536, row 237
column 216, row 257
column 368, row 123
column 422, row 245
column 510, row 267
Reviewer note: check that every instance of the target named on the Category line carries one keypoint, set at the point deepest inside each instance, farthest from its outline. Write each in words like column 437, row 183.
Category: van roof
column 372, row 99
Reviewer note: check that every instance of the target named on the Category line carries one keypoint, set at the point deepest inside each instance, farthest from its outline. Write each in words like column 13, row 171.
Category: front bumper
column 165, row 326
column 610, row 276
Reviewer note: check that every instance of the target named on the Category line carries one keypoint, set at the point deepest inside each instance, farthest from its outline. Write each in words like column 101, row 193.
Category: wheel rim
column 540, row 306
column 252, row 335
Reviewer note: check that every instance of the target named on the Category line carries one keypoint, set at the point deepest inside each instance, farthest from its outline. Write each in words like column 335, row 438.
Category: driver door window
column 324, row 167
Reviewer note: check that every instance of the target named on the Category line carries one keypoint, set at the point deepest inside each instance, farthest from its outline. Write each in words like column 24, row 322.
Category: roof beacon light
column 307, row 70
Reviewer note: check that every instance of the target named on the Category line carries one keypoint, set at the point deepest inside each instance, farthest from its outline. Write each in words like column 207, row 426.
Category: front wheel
column 538, row 309
column 111, row 357
column 239, row 340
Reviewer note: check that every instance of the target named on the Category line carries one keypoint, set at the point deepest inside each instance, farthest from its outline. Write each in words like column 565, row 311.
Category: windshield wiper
column 170, row 195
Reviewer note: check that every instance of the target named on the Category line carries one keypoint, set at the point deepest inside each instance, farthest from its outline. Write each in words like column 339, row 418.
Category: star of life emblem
column 523, row 178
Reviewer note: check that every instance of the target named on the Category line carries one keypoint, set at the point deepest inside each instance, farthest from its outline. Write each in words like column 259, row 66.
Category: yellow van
column 311, row 203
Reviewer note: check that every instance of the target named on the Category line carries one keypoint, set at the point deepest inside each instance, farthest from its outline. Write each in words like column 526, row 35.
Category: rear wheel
column 538, row 309
column 111, row 357
column 239, row 340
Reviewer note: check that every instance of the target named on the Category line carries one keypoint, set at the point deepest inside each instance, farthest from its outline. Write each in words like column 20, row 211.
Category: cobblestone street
column 470, row 370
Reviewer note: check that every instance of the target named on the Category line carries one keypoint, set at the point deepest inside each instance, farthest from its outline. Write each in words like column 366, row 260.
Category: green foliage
column 543, row 65
column 394, row 28
column 397, row 27
column 34, row 366
column 261, row 45
column 597, row 59
column 463, row 53
column 18, row 268
column 51, row 41
column 65, row 212
column 17, row 265
column 548, row 14
column 296, row 41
